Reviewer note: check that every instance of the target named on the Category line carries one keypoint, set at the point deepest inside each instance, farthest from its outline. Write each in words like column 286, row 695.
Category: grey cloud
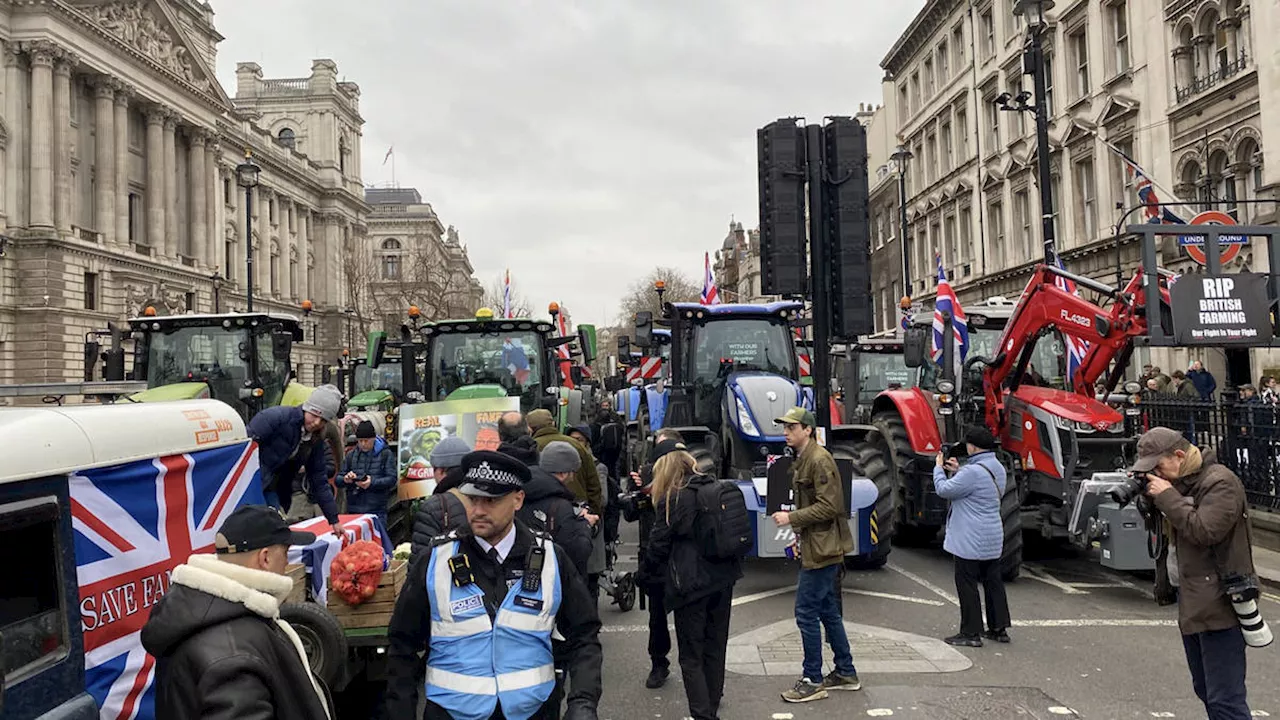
column 578, row 143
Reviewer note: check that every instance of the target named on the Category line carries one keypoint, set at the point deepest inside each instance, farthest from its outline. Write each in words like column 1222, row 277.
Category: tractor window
column 212, row 355
column 32, row 621
column 878, row 372
column 747, row 343
column 273, row 373
column 386, row 377
column 510, row 359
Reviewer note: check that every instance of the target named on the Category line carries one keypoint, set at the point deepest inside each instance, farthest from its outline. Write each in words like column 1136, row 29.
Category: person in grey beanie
column 550, row 506
column 446, row 509
column 290, row 439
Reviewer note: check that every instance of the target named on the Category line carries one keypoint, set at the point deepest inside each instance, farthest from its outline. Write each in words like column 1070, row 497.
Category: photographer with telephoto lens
column 1209, row 560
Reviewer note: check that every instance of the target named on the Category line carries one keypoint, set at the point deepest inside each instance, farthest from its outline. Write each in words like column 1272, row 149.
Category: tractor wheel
column 323, row 640
column 869, row 461
column 1011, row 515
column 707, row 462
column 893, row 433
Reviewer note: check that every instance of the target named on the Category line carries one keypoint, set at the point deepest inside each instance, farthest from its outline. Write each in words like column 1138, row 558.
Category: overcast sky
column 579, row 143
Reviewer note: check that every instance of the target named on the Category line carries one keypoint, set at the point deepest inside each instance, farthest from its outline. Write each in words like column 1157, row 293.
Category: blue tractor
column 732, row 370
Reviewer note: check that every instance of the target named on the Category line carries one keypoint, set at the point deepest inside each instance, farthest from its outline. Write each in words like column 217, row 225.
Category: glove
column 580, row 712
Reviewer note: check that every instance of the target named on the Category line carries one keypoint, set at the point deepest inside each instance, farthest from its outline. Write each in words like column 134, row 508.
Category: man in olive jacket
column 1203, row 503
column 822, row 526
column 586, row 484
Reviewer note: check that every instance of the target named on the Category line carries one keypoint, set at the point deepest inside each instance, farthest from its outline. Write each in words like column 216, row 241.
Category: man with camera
column 1207, row 565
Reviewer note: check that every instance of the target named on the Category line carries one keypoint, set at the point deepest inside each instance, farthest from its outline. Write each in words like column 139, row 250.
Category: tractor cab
column 375, row 387
column 490, row 357
column 242, row 359
column 868, row 367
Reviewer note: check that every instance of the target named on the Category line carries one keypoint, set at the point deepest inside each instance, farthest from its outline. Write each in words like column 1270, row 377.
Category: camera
column 958, row 451
column 1243, row 593
column 1134, row 485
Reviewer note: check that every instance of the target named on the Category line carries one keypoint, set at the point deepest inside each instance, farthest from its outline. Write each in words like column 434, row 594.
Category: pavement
column 1267, row 564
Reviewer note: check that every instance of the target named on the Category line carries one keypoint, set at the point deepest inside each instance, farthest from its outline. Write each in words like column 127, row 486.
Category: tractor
column 242, row 359
column 867, row 368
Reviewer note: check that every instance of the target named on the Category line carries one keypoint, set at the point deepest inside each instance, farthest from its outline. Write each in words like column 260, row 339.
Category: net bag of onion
column 355, row 572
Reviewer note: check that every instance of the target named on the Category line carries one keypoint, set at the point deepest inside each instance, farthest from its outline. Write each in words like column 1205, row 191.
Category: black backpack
column 724, row 527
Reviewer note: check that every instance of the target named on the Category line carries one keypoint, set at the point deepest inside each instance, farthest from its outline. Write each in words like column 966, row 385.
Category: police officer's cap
column 486, row 473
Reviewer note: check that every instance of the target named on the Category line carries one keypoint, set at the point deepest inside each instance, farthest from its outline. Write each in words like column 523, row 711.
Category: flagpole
column 1165, row 191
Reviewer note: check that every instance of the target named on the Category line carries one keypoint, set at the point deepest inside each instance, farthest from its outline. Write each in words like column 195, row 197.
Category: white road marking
column 630, row 628
column 1035, row 572
column 1259, row 713
column 782, row 716
column 891, row 596
column 1164, row 714
column 1095, row 622
column 762, row 595
column 924, row 584
column 1272, row 598
column 879, row 712
column 1059, row 710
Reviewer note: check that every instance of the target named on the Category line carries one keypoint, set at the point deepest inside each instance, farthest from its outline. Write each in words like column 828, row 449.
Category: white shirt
column 504, row 545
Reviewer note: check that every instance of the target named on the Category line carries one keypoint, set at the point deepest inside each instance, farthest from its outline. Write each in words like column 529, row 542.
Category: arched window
column 391, row 244
column 1249, row 169
column 1193, row 183
column 1223, row 182
column 287, row 138
column 391, row 259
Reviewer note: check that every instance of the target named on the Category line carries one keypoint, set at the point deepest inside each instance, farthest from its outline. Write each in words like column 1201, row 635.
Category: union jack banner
column 1076, row 348
column 133, row 524
column 947, row 302
column 710, row 293
column 317, row 556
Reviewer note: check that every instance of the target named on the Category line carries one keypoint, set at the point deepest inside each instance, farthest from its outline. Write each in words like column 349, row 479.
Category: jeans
column 968, row 574
column 1217, row 663
column 272, row 499
column 817, row 603
column 702, row 631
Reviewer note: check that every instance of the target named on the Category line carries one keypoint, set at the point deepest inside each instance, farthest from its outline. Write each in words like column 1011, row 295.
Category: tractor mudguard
column 295, row 394
column 917, row 415
column 171, row 392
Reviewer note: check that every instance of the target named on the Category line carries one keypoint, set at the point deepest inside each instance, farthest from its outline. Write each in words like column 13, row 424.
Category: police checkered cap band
column 486, row 473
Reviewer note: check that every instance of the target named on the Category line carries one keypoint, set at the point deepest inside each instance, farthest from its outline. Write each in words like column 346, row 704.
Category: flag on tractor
column 506, row 295
column 947, row 303
column 710, row 294
column 1076, row 348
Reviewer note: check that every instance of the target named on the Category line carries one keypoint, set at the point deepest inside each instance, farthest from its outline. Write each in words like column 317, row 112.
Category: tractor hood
column 475, row 392
column 754, row 399
column 369, row 398
column 174, row 391
column 1071, row 406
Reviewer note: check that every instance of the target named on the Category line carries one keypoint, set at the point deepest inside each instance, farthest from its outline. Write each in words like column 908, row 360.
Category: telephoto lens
column 1244, row 600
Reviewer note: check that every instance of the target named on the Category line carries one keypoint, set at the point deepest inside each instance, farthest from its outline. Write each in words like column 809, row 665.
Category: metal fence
column 1245, row 434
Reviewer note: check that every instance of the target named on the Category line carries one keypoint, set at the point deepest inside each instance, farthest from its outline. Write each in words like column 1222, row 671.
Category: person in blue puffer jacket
column 369, row 473
column 975, row 535
column 287, row 440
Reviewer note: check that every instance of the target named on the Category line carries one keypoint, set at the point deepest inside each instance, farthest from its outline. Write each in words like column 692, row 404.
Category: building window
column 1087, row 200
column 391, row 248
column 1048, row 83
column 1121, row 178
column 271, row 210
column 293, row 277
column 135, row 218
column 1118, row 15
column 993, row 124
column 189, row 301
column 944, row 62
column 1079, row 44
column 275, row 273
column 1022, row 221
column 1249, row 164
column 342, row 155
column 995, row 219
column 964, row 251
column 949, row 241
column 915, row 91
column 930, row 159
column 1224, row 183
column 91, row 291
column 962, row 135
column 947, row 158
column 1019, row 119
column 226, row 191
column 930, row 83
column 287, row 138
column 1055, row 193
column 229, row 248
column 987, row 26
column 957, row 45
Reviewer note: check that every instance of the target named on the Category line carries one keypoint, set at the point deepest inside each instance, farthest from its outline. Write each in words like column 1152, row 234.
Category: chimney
column 248, row 79
column 324, row 76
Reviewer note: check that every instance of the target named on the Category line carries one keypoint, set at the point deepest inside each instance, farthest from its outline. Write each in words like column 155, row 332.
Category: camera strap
column 994, row 483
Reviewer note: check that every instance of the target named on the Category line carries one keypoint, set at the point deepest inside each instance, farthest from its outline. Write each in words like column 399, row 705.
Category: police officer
column 484, row 607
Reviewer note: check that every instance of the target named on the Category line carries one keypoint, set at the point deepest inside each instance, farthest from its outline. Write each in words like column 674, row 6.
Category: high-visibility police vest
column 474, row 665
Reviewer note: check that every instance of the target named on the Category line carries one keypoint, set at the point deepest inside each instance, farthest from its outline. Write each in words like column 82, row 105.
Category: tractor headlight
column 944, row 399
column 1133, row 387
column 946, row 387
column 744, row 418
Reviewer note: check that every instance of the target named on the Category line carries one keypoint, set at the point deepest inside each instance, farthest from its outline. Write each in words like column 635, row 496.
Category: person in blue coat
column 369, row 473
column 975, row 536
column 281, row 433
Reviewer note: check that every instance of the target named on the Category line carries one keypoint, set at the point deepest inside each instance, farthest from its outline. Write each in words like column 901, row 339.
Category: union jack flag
column 947, row 302
column 317, row 556
column 133, row 524
column 1076, row 348
column 1146, row 189
column 710, row 293
column 566, row 358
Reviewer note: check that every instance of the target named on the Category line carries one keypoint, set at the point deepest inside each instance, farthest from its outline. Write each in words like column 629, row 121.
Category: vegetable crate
column 376, row 611
column 298, row 573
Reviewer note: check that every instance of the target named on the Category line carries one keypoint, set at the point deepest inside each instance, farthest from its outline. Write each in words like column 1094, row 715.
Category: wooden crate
column 298, row 573
column 376, row 611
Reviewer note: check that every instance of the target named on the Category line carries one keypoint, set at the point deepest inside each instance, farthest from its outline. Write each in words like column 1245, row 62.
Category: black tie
column 493, row 555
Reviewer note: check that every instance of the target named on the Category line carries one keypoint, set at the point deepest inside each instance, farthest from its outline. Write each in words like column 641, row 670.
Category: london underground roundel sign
column 1228, row 244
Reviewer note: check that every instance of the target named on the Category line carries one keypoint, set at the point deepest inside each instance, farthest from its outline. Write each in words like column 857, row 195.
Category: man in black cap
column 1203, row 504
column 485, row 606
column 222, row 652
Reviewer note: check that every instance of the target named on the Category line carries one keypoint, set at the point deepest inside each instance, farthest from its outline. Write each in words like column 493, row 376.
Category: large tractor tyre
column 893, row 434
column 869, row 461
column 707, row 462
column 322, row 638
column 1011, row 515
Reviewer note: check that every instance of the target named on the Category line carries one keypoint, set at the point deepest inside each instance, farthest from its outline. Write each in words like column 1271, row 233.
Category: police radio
column 533, row 564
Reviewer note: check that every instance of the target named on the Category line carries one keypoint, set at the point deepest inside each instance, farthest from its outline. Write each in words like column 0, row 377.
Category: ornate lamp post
column 901, row 156
column 247, row 174
column 1032, row 11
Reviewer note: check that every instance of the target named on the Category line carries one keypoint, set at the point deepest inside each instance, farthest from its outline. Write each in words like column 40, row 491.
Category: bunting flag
column 390, row 151
column 1076, row 348
column 506, row 295
column 947, row 302
column 710, row 294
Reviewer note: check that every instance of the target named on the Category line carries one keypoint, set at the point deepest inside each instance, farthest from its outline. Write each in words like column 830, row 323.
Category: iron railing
column 1245, row 435
column 1202, row 83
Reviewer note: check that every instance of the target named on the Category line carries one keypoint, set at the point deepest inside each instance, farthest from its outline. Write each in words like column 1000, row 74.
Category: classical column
column 212, row 206
column 62, row 142
column 121, row 165
column 286, row 244
column 1184, row 66
column 14, row 216
column 42, row 134
column 172, row 247
column 155, row 180
column 304, row 229
column 198, row 195
column 104, row 164
column 262, row 250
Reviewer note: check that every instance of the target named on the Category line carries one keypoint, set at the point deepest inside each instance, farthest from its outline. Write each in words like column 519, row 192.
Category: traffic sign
column 1229, row 245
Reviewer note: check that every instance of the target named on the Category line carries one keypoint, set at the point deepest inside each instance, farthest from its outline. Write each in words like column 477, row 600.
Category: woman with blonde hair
column 699, row 587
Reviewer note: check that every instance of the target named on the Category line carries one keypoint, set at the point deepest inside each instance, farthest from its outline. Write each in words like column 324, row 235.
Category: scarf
column 1191, row 463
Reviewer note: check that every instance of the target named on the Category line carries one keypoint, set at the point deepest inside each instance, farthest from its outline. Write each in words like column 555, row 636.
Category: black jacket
column 579, row 653
column 549, row 506
column 439, row 514
column 220, row 652
column 674, row 545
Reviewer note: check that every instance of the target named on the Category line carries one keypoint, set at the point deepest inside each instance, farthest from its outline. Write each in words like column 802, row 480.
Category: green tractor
column 242, row 359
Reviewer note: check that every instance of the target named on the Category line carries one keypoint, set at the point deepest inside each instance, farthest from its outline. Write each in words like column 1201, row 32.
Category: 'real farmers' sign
column 1221, row 309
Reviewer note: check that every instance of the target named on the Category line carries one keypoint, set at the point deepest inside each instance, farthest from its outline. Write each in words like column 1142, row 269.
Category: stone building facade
column 412, row 259
column 1176, row 84
column 118, row 190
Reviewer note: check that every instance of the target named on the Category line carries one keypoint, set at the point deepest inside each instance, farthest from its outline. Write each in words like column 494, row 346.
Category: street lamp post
column 247, row 177
column 349, row 312
column 1032, row 11
column 218, row 281
column 901, row 156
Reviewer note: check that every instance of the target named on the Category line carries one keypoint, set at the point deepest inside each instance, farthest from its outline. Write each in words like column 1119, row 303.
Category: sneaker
column 804, row 691
column 964, row 640
column 1000, row 636
column 657, row 678
column 836, row 681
